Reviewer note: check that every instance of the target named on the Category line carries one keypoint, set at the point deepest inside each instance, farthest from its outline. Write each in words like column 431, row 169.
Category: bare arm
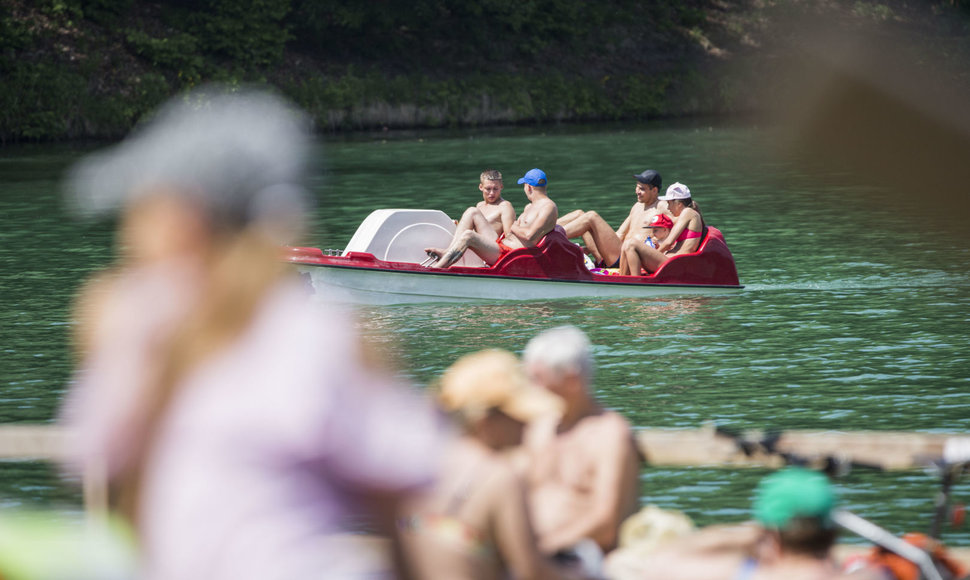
column 508, row 216
column 624, row 228
column 540, row 224
column 616, row 465
column 679, row 226
column 714, row 552
column 513, row 532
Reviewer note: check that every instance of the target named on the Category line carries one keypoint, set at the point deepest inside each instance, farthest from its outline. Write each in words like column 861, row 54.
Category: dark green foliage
column 50, row 102
column 249, row 32
column 459, row 34
column 106, row 12
column 82, row 68
column 177, row 54
column 14, row 35
column 644, row 97
column 41, row 107
column 356, row 101
column 60, row 8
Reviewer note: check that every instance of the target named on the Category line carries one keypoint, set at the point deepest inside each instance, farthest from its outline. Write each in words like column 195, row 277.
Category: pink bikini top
column 688, row 235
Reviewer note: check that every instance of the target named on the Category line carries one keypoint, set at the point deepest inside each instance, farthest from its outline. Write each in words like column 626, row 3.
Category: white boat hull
column 379, row 287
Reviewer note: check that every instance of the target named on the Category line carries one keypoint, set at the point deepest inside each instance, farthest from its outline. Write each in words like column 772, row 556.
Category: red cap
column 660, row 220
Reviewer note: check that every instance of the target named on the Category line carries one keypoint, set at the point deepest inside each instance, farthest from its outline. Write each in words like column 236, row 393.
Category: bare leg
column 605, row 240
column 639, row 255
column 591, row 247
column 472, row 220
column 629, row 259
column 569, row 217
column 484, row 246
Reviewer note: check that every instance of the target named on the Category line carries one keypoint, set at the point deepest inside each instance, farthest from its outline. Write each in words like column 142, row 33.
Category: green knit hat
column 793, row 492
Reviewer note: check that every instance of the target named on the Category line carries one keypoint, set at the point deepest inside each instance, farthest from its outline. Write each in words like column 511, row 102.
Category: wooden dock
column 706, row 446
column 49, row 443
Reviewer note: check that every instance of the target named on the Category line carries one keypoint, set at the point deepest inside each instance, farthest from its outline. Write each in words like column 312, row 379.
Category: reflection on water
column 848, row 320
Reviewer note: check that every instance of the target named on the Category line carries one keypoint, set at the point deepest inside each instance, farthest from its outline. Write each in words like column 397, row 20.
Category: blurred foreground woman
column 241, row 428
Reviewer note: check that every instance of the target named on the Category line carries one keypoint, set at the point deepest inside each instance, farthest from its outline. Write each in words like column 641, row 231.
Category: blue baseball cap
column 535, row 178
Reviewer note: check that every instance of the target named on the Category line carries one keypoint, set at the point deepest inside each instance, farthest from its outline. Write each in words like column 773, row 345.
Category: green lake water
column 852, row 316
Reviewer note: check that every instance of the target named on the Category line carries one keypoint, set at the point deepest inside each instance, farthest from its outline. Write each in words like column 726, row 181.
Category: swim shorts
column 503, row 249
column 602, row 264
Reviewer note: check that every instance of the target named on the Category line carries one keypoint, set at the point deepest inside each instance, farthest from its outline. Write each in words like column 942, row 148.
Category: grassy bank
column 74, row 69
column 53, row 102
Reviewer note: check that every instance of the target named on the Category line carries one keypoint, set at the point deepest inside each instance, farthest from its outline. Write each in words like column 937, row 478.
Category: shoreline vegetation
column 90, row 69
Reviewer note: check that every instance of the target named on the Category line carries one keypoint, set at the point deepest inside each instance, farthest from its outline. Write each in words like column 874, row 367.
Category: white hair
column 561, row 349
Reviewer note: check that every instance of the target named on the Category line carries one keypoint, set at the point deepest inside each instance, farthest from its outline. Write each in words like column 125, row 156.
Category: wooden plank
column 45, row 442
column 49, row 443
column 664, row 447
column 889, row 450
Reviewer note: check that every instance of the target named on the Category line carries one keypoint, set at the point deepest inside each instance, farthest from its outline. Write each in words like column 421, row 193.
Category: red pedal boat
column 382, row 264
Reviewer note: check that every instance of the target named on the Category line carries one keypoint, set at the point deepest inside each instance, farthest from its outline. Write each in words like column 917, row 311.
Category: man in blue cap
column 537, row 219
column 598, row 235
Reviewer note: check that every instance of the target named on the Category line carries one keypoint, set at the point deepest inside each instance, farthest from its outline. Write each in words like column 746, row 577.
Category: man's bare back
column 537, row 219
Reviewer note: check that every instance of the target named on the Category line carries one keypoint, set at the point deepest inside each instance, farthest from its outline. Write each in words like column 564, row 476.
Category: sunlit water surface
column 851, row 318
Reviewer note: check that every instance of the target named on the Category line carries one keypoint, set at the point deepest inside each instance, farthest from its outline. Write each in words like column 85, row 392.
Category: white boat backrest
column 401, row 235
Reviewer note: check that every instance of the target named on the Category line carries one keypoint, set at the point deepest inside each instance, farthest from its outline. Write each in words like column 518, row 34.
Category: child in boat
column 474, row 523
column 658, row 228
column 492, row 214
column 683, row 235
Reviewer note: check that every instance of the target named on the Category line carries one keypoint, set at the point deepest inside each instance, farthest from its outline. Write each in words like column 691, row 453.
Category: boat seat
column 711, row 261
column 553, row 256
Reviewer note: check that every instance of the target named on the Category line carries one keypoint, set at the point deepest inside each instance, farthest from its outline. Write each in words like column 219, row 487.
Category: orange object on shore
column 902, row 569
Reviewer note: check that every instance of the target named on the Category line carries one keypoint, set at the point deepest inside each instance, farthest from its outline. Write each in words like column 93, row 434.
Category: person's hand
column 665, row 245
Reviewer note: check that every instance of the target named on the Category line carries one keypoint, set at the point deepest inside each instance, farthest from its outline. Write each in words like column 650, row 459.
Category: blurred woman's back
column 241, row 427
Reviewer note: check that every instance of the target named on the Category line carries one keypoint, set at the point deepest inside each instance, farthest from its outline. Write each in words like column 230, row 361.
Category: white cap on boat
column 676, row 191
column 242, row 155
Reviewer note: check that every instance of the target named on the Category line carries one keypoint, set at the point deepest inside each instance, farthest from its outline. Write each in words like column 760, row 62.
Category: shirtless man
column 598, row 235
column 583, row 468
column 792, row 539
column 493, row 213
column 537, row 219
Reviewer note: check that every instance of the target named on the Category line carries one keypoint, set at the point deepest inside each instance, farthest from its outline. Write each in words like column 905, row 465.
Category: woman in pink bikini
column 685, row 233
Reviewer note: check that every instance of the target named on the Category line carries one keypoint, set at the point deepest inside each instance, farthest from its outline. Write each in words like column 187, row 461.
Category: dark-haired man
column 599, row 237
